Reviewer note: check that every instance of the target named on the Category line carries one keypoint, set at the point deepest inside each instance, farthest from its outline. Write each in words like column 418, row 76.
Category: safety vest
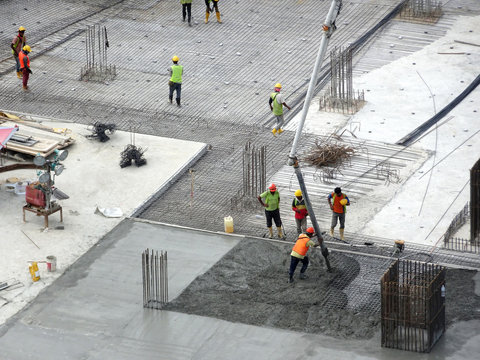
column 277, row 108
column 177, row 71
column 337, row 207
column 300, row 246
column 300, row 205
column 21, row 57
column 19, row 39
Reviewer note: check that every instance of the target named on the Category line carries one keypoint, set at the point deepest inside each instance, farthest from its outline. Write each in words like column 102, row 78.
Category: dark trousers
column 294, row 262
column 215, row 5
column 275, row 215
column 187, row 8
column 26, row 75
column 175, row 87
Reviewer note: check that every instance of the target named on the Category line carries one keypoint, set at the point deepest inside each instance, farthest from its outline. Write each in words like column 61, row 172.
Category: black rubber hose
column 415, row 134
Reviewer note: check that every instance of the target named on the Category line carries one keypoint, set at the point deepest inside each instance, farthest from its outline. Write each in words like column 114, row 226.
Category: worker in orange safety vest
column 25, row 65
column 338, row 204
column 299, row 253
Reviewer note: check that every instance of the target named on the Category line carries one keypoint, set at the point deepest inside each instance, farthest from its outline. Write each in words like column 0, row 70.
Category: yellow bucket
column 34, row 272
column 228, row 223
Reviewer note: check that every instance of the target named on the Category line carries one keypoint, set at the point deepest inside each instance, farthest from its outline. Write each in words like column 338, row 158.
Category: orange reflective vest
column 337, row 207
column 21, row 57
column 300, row 246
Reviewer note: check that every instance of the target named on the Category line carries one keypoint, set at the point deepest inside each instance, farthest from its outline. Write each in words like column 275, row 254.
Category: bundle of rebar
column 328, row 153
column 132, row 153
column 155, row 279
column 96, row 45
column 100, row 130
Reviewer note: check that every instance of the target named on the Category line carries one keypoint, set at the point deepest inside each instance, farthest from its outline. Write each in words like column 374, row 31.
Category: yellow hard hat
column 175, row 58
column 278, row 85
column 298, row 192
column 27, row 48
column 344, row 202
column 21, row 28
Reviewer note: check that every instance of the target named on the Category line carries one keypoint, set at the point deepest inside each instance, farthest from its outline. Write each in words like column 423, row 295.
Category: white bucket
column 20, row 188
column 51, row 263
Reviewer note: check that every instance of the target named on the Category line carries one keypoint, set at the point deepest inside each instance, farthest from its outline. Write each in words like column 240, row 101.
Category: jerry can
column 34, row 272
column 228, row 223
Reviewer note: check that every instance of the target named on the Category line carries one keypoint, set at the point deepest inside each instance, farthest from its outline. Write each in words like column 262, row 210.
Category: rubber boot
column 270, row 232
column 290, row 280
column 207, row 14
column 331, row 231
column 178, row 102
column 218, row 17
column 341, row 234
column 19, row 74
column 279, row 232
column 25, row 87
column 170, row 98
column 303, row 276
column 274, row 132
column 280, row 131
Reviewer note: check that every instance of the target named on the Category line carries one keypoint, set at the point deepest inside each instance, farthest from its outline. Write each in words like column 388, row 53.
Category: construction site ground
column 229, row 293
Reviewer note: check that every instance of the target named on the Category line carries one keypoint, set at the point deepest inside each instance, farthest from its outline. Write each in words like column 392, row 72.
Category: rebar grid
column 155, row 279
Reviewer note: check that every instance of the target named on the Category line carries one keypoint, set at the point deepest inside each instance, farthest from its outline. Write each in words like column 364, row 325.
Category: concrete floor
column 94, row 311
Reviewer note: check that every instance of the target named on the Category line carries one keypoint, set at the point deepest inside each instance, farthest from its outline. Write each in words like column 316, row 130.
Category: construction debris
column 99, row 131
column 132, row 153
column 329, row 153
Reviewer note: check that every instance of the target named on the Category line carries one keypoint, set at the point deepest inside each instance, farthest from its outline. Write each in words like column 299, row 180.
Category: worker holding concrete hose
column 25, row 65
column 338, row 204
column 209, row 10
column 187, row 8
column 301, row 212
column 272, row 209
column 18, row 42
column 175, row 82
column 299, row 253
column 276, row 104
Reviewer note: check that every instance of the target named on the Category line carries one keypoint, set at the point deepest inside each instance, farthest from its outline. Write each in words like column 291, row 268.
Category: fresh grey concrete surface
column 94, row 311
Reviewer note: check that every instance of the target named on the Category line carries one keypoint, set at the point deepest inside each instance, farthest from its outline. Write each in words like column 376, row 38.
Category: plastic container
column 20, row 188
column 34, row 196
column 51, row 263
column 228, row 223
column 34, row 272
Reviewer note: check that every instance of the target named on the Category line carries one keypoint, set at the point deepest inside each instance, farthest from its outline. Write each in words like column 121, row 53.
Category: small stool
column 43, row 212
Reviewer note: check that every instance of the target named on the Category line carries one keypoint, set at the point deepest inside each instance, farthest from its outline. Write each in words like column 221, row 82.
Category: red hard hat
column 310, row 230
column 273, row 187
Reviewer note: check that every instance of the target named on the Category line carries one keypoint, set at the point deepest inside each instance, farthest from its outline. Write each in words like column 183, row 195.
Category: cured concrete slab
column 94, row 311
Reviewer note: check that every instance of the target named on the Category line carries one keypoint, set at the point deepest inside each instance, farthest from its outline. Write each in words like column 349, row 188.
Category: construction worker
column 301, row 212
column 209, row 10
column 272, row 209
column 17, row 45
column 338, row 204
column 187, row 8
column 299, row 253
column 276, row 104
column 175, row 83
column 25, row 65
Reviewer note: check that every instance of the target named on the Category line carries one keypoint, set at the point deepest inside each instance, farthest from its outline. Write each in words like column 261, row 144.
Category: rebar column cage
column 422, row 10
column 475, row 204
column 155, row 279
column 96, row 51
column 254, row 169
column 413, row 305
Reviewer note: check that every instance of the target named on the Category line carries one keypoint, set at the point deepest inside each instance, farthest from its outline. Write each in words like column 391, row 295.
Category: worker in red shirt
column 338, row 204
column 301, row 212
column 17, row 45
column 299, row 253
column 25, row 65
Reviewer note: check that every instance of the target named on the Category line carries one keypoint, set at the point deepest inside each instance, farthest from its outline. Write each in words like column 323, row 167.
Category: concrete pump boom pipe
column 328, row 28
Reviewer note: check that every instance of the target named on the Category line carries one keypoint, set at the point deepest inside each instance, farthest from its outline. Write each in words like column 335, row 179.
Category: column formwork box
column 412, row 305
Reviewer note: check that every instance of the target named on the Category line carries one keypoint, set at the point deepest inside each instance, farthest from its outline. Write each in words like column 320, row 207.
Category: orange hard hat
column 310, row 230
column 272, row 187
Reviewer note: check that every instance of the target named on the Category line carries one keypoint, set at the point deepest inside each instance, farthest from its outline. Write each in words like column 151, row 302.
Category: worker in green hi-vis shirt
column 209, row 10
column 272, row 209
column 187, row 8
column 175, row 82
